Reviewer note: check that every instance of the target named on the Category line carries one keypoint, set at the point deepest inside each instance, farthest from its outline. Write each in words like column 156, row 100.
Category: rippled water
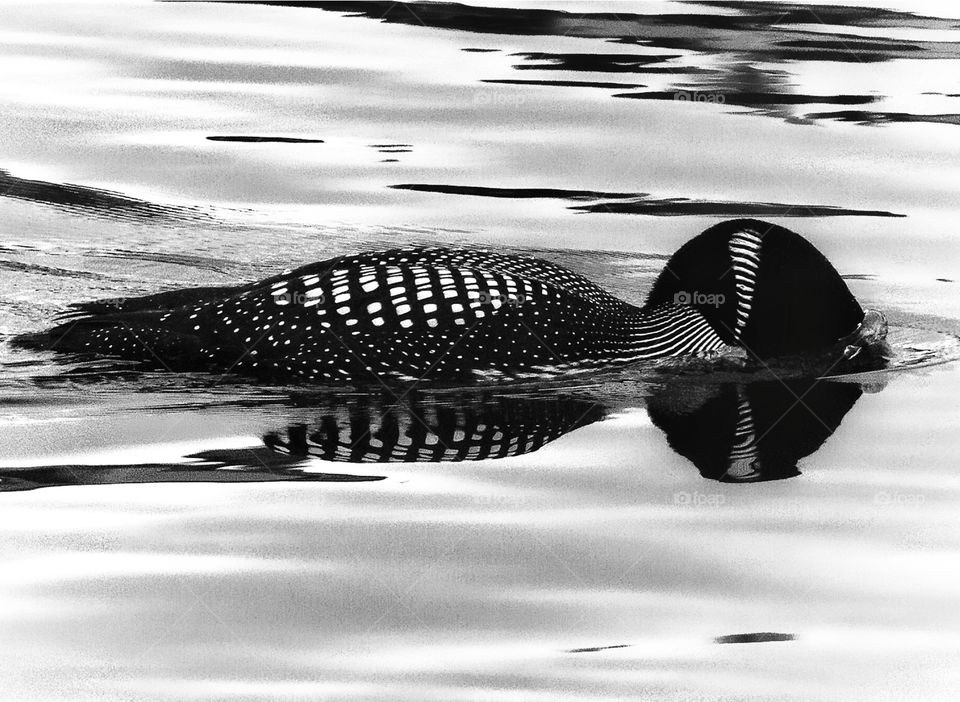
column 192, row 537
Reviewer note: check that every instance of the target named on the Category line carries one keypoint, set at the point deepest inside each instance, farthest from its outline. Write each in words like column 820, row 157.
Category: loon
column 744, row 286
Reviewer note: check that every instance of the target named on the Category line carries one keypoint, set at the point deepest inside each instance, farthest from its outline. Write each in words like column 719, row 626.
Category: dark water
column 649, row 534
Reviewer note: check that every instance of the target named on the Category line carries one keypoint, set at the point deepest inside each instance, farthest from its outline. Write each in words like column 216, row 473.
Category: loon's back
column 452, row 313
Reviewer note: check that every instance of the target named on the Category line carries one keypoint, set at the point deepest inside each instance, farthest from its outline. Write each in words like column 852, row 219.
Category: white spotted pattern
column 414, row 313
column 382, row 432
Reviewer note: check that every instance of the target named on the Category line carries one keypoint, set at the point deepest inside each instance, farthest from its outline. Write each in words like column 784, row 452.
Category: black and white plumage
column 424, row 313
column 753, row 432
column 463, row 427
column 745, row 449
column 745, row 248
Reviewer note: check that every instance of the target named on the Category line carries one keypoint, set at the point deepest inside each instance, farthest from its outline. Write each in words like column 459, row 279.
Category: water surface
column 192, row 537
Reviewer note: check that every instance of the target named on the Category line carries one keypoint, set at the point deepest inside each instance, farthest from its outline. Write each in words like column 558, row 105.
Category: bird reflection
column 466, row 426
column 755, row 432
column 731, row 432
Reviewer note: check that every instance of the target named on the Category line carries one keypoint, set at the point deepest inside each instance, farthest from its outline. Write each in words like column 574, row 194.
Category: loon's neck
column 664, row 330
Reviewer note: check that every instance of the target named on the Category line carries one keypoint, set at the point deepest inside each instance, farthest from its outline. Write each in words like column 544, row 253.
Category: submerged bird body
column 451, row 313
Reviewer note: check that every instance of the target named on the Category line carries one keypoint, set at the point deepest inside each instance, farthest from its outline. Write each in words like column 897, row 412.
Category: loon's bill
column 742, row 286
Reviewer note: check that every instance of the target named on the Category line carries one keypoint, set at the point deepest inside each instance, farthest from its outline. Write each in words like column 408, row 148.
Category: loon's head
column 771, row 292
